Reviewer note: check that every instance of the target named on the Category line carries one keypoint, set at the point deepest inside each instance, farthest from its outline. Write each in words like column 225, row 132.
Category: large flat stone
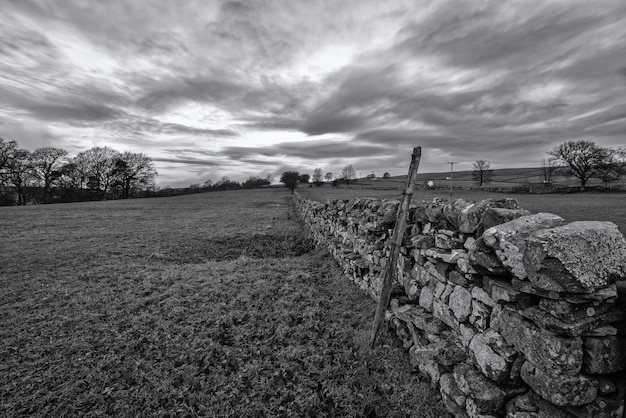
column 508, row 240
column 560, row 390
column 580, row 257
column 571, row 329
column 572, row 312
column 557, row 355
column 496, row 216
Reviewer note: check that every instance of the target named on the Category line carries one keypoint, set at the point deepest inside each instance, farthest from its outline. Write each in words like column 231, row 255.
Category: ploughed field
column 212, row 304
column 588, row 206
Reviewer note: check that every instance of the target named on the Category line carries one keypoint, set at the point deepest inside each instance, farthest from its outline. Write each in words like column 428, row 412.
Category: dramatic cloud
column 237, row 88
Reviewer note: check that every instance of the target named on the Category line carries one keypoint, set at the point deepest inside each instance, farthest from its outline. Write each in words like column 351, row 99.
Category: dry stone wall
column 509, row 313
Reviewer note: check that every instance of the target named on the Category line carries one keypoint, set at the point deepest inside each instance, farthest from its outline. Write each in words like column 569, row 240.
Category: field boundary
column 508, row 313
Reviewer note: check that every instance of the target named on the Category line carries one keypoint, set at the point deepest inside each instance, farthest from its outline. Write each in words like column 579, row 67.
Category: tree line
column 585, row 160
column 47, row 175
column 291, row 179
column 581, row 159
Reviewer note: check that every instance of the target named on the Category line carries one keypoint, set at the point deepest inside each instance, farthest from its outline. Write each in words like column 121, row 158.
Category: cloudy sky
column 243, row 88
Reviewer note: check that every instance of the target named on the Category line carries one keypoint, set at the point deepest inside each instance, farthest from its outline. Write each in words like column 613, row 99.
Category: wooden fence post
column 396, row 243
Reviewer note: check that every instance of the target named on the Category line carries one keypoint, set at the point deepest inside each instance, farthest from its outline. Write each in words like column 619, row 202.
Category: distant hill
column 506, row 177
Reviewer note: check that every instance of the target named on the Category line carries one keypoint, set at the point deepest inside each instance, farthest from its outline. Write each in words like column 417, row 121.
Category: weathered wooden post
column 396, row 243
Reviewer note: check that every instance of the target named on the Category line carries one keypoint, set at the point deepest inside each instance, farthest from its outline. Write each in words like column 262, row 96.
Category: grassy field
column 203, row 305
column 589, row 206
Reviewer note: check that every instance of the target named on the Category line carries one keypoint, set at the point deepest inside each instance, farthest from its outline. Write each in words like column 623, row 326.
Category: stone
column 423, row 241
column 488, row 361
column 445, row 296
column 604, row 331
column 473, row 410
column 451, row 355
column 606, row 386
column 470, row 216
column 457, row 278
column 488, row 396
column 561, row 390
column 389, row 217
column 500, row 291
column 420, row 274
column 480, row 315
column 571, row 329
column 516, row 370
column 469, row 242
column 419, row 317
column 426, row 298
column 432, row 369
column 480, row 295
column 467, row 333
column 571, row 312
column 465, row 266
column 496, row 216
column 601, row 407
column 452, row 407
column 484, row 260
column 604, row 355
column 442, row 312
column 557, row 355
column 412, row 288
column 461, row 303
column 523, row 403
column 452, row 210
column 508, row 240
column 580, row 257
column 449, row 387
column 434, row 211
column 496, row 341
column 443, row 241
column 438, row 289
column 427, row 353
column 456, row 254
column 438, row 270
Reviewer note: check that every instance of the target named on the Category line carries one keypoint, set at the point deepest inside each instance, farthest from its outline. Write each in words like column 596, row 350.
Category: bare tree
column 612, row 166
column 582, row 159
column 548, row 170
column 482, row 172
column 348, row 174
column 7, row 153
column 329, row 177
column 317, row 176
column 133, row 172
column 46, row 163
column 20, row 174
column 99, row 168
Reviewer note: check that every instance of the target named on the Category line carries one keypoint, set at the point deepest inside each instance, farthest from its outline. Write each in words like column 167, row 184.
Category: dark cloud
column 319, row 149
column 465, row 80
column 188, row 161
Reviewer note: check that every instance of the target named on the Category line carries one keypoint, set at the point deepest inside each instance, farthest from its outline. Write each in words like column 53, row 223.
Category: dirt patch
column 233, row 247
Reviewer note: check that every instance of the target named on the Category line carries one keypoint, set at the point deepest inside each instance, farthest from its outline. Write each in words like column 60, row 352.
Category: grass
column 589, row 206
column 202, row 305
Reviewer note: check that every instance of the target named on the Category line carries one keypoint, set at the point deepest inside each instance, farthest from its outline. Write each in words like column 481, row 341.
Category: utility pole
column 451, row 170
